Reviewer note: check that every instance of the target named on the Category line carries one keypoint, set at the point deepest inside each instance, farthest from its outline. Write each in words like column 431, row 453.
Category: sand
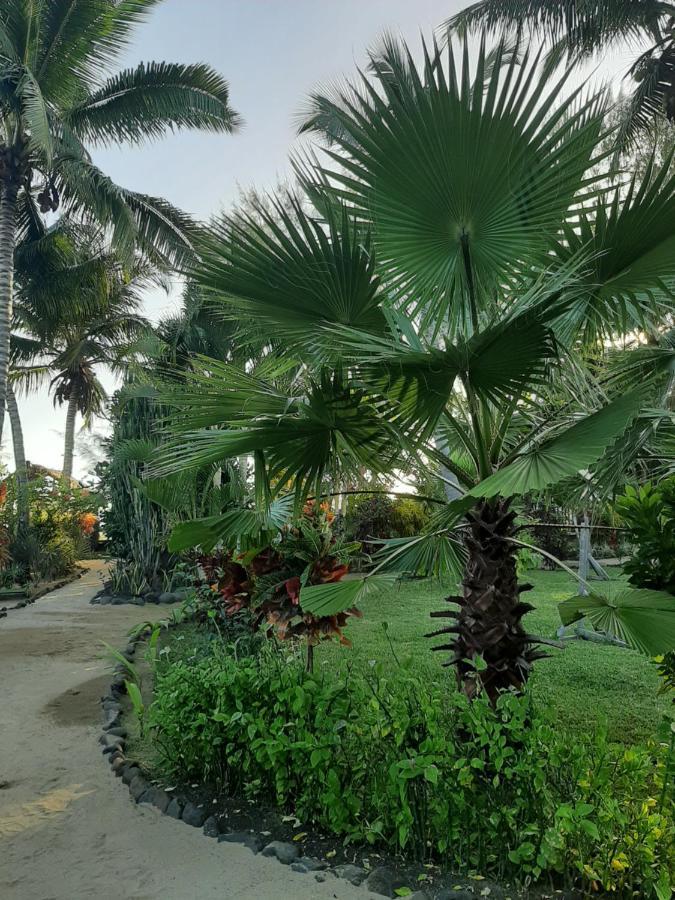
column 68, row 828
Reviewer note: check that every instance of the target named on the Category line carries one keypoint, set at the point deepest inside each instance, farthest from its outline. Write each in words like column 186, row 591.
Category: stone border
column 383, row 880
column 105, row 597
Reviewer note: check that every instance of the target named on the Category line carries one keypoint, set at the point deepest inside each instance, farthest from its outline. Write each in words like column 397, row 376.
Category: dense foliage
column 379, row 516
column 388, row 760
column 136, row 527
column 649, row 513
column 262, row 586
column 63, row 527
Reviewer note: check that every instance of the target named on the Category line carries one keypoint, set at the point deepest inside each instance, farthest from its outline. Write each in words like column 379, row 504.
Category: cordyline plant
column 464, row 245
column 267, row 582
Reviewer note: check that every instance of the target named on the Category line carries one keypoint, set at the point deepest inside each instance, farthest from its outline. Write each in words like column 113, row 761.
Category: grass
column 586, row 686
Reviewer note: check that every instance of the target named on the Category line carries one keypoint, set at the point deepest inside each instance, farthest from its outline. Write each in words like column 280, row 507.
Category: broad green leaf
column 437, row 553
column 288, row 272
column 568, row 453
column 231, row 526
column 330, row 599
column 629, row 278
column 644, row 619
column 464, row 184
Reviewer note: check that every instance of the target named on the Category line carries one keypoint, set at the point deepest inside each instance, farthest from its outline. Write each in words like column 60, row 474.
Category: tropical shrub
column 396, row 763
column 62, row 529
column 378, row 516
column 442, row 336
column 649, row 513
column 262, row 585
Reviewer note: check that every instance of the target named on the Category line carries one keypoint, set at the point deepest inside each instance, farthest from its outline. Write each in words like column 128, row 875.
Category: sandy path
column 68, row 828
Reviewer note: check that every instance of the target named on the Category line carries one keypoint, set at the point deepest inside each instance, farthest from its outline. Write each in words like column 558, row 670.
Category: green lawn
column 585, row 685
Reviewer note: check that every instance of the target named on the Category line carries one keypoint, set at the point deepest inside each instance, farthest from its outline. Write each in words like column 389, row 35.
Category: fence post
column 584, row 554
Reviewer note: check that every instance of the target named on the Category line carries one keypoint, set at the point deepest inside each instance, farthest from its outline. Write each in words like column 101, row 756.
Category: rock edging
column 106, row 597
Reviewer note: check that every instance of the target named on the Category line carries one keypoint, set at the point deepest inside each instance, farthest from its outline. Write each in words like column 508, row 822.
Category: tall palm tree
column 58, row 97
column 580, row 29
column 75, row 313
column 465, row 248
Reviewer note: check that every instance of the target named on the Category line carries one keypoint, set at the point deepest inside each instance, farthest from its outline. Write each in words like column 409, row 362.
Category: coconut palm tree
column 579, row 29
column 77, row 311
column 58, row 97
column 464, row 252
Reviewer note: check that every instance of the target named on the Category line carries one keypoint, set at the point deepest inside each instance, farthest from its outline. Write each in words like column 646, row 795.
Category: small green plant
column 121, row 660
column 134, row 693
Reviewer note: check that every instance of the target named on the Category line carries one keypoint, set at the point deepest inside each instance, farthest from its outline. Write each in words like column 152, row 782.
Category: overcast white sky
column 273, row 52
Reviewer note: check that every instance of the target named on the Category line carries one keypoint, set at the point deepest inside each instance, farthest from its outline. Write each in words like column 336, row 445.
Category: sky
column 273, row 54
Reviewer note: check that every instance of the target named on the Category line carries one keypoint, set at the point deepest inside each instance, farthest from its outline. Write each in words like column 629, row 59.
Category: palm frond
column 230, row 527
column 292, row 273
column 581, row 26
column 333, row 598
column 463, row 181
column 643, row 618
column 575, row 449
column 152, row 99
column 629, row 279
column 335, row 429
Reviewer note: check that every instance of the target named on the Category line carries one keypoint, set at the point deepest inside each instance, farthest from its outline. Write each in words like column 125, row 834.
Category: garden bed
column 246, row 813
column 265, row 829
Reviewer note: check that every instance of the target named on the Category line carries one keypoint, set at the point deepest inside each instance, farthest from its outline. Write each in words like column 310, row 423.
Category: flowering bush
column 61, row 529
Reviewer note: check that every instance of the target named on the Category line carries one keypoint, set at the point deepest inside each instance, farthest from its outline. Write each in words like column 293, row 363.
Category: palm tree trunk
column 69, row 446
column 491, row 649
column 21, row 473
column 8, row 195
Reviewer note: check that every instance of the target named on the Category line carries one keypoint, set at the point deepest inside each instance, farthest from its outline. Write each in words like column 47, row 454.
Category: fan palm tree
column 58, row 97
column 75, row 313
column 465, row 249
column 580, row 29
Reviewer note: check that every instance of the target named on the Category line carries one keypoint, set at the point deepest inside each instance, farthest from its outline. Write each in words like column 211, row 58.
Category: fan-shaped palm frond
column 228, row 528
column 334, row 428
column 293, row 273
column 644, row 619
column 462, row 181
column 629, row 280
column 577, row 29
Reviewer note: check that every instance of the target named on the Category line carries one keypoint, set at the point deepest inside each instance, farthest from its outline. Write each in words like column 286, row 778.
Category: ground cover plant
column 375, row 752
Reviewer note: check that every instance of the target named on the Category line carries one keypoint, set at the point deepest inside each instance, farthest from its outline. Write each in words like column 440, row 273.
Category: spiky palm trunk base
column 491, row 649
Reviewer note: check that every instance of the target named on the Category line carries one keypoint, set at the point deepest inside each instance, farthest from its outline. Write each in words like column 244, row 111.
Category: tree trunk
column 491, row 649
column 69, row 446
column 9, row 191
column 21, row 471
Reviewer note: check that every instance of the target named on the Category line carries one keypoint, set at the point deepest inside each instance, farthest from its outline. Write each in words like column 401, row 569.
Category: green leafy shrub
column 263, row 586
column 62, row 520
column 400, row 762
column 377, row 516
column 649, row 513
